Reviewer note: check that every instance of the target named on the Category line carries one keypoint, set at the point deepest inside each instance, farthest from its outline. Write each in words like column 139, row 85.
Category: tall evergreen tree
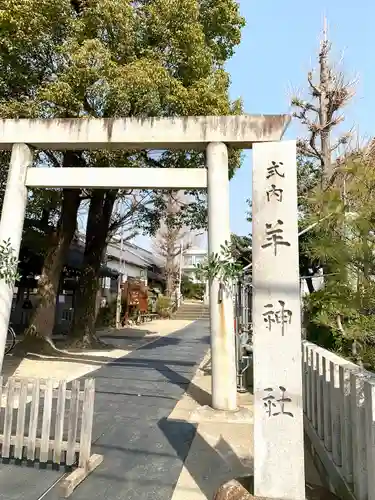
column 109, row 58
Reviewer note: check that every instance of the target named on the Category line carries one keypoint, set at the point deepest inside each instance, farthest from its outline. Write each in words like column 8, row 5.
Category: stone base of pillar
column 208, row 414
column 240, row 489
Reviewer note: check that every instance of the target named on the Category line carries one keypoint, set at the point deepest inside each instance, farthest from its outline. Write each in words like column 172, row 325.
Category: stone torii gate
column 278, row 424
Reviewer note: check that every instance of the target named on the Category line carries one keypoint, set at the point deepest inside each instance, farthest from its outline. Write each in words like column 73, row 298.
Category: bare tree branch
column 169, row 238
column 330, row 91
column 315, row 90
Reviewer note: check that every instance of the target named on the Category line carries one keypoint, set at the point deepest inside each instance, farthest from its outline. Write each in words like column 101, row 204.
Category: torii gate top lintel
column 239, row 131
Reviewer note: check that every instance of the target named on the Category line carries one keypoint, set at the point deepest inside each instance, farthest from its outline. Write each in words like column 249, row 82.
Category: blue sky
column 279, row 46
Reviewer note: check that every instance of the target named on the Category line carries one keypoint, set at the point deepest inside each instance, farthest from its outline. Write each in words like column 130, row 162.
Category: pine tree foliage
column 344, row 310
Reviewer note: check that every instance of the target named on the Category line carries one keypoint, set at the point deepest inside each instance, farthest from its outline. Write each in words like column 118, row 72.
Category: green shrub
column 107, row 315
column 192, row 290
column 341, row 318
column 163, row 306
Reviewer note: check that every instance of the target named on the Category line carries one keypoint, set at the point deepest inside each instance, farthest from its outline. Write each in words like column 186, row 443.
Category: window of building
column 189, row 260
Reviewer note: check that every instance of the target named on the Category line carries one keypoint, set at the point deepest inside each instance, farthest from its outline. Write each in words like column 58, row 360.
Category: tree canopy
column 116, row 57
column 111, row 58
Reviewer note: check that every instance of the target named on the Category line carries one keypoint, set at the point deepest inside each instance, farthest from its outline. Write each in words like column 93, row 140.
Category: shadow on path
column 133, row 394
column 209, row 466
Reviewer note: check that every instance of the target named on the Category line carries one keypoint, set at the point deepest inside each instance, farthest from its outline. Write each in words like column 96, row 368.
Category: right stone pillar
column 278, row 409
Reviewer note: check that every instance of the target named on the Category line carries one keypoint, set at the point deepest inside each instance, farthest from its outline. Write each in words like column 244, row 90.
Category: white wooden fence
column 42, row 420
column 339, row 408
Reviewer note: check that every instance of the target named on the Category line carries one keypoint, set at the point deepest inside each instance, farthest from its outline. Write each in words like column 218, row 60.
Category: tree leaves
column 345, row 242
column 30, row 32
column 8, row 263
column 221, row 266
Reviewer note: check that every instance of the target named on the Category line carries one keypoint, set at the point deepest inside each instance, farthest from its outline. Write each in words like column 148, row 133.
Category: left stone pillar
column 11, row 226
column 223, row 350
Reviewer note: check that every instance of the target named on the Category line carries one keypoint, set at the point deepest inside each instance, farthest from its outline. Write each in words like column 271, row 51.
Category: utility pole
column 119, row 284
column 118, row 302
column 180, row 274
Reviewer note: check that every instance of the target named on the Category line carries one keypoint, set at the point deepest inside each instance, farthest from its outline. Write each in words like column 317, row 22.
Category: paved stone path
column 143, row 451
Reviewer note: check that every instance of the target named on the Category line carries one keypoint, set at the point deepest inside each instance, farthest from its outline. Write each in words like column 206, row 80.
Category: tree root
column 87, row 341
column 33, row 344
column 44, row 346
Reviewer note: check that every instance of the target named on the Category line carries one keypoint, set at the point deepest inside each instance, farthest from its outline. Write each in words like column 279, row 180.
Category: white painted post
column 346, row 425
column 319, row 395
column 327, row 420
column 118, row 301
column 359, row 434
column 223, row 351
column 11, row 226
column 278, row 413
column 369, row 393
column 335, row 413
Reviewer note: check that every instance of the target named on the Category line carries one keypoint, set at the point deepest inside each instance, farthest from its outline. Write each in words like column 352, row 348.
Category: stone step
column 192, row 311
column 191, row 314
column 195, row 309
column 190, row 318
column 188, row 309
column 193, row 306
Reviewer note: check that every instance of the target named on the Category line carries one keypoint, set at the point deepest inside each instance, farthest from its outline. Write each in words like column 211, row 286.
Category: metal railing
column 243, row 329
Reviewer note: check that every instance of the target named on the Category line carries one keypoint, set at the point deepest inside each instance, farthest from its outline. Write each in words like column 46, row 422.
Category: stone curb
column 238, row 489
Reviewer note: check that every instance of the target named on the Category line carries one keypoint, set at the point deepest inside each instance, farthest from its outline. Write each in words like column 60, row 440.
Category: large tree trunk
column 169, row 278
column 38, row 334
column 99, row 216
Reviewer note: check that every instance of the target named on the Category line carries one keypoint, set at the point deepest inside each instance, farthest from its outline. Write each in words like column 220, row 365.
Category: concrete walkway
column 153, row 424
column 143, row 451
column 223, row 444
column 78, row 363
column 222, row 448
